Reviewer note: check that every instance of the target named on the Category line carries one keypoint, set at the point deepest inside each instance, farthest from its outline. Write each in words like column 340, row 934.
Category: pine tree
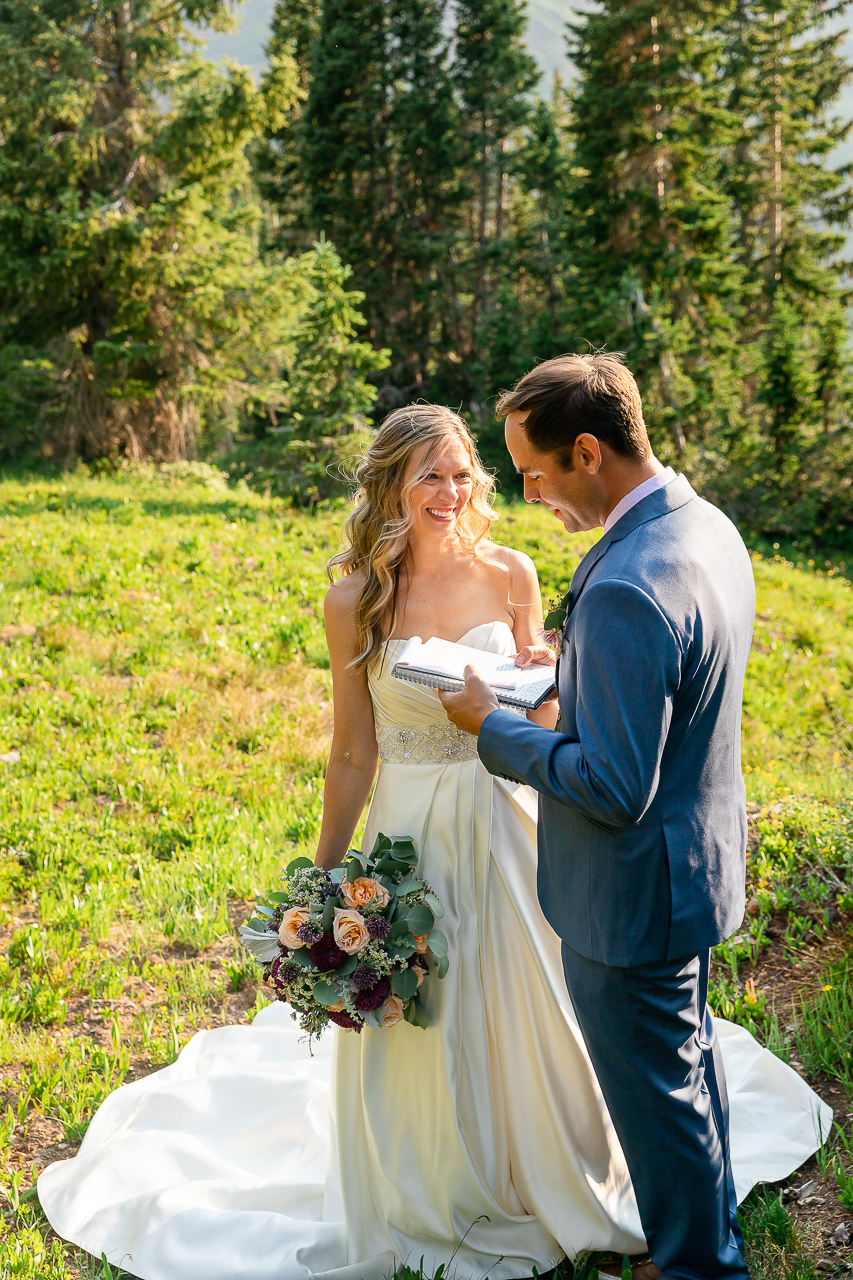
column 379, row 145
column 323, row 413
column 136, row 313
column 785, row 74
column 647, row 231
column 495, row 76
column 277, row 156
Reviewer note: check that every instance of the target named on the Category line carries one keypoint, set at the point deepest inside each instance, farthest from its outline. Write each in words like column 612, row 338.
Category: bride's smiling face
column 440, row 496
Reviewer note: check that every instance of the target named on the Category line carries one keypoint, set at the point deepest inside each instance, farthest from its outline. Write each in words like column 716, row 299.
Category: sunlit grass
column 165, row 713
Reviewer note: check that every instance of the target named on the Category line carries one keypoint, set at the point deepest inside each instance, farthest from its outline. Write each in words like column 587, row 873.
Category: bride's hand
column 538, row 653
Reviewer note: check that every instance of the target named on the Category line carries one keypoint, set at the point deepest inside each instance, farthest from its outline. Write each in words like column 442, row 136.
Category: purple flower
column 284, row 971
column 373, row 999
column 309, row 932
column 364, row 978
column 378, row 927
column 326, row 954
column 344, row 1020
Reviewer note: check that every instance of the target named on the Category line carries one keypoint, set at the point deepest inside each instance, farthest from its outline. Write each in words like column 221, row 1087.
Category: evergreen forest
column 195, row 265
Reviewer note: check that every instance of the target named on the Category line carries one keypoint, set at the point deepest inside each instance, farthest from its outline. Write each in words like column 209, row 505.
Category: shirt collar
column 659, row 481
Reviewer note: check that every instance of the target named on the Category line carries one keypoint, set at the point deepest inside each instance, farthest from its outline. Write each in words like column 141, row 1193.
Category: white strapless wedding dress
column 249, row 1159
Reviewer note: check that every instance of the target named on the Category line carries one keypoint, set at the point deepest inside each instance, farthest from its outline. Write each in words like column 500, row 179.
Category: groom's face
column 573, row 494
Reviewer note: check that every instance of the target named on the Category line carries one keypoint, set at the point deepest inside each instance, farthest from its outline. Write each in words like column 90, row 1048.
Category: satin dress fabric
column 483, row 1138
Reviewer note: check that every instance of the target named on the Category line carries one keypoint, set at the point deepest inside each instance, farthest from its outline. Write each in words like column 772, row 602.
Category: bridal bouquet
column 353, row 945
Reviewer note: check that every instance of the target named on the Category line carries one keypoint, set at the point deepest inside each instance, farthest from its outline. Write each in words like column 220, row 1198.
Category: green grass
column 164, row 717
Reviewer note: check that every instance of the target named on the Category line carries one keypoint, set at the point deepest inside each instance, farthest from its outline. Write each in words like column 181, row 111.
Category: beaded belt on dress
column 432, row 744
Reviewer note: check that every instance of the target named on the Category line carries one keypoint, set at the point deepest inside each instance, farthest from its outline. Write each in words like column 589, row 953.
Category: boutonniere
column 555, row 621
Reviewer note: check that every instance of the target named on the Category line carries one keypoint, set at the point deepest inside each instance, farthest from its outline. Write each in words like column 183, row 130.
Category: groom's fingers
column 475, row 682
column 468, row 708
column 535, row 653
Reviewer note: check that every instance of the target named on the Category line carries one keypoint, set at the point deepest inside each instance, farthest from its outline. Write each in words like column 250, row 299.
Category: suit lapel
column 674, row 495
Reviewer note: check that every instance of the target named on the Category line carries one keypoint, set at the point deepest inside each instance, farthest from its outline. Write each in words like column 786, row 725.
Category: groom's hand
column 468, row 708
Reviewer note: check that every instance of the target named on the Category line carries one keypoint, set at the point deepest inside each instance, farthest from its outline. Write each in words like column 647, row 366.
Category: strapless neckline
column 463, row 638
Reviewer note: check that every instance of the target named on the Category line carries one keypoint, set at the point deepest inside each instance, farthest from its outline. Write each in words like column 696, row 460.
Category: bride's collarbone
column 446, row 619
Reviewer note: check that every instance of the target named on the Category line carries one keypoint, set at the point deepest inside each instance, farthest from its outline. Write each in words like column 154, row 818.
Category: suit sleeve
column 628, row 669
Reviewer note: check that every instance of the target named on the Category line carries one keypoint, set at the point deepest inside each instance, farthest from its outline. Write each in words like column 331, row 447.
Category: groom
column 642, row 830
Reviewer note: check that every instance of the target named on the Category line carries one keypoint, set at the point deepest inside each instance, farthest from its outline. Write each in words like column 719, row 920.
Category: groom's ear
column 586, row 453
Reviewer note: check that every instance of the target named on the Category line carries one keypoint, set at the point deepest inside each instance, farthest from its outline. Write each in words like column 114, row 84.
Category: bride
column 484, row 1137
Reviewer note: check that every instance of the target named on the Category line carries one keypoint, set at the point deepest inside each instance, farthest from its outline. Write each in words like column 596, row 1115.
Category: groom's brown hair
column 568, row 395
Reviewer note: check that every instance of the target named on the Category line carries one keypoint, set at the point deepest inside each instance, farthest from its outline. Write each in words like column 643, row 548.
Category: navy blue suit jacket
column 642, row 810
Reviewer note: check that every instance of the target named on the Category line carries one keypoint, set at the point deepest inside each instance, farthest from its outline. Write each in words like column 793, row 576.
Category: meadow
column 165, row 711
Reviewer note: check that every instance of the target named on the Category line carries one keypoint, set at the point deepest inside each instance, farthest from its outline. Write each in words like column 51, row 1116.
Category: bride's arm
column 527, row 629
column 354, row 755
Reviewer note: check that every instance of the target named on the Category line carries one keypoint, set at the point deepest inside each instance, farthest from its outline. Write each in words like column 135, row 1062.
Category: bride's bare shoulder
column 519, row 566
column 342, row 596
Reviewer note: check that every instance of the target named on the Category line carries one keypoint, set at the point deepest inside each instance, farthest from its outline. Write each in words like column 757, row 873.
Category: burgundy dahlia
column 378, row 927
column 326, row 954
column 367, row 1000
column 344, row 1020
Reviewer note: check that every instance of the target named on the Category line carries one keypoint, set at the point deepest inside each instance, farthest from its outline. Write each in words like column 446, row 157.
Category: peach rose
column 350, row 931
column 364, row 889
column 392, row 1011
column 421, row 940
column 291, row 920
column 421, row 970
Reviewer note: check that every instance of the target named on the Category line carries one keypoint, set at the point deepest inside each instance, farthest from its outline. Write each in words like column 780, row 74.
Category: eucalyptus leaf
column 404, row 849
column 443, row 966
column 409, row 886
column 420, row 919
column 279, row 897
column 260, row 926
column 437, row 943
column 354, row 871
column 398, row 930
column 409, row 1011
column 302, row 956
column 435, row 906
column 401, row 950
column 348, row 967
column 381, row 842
column 419, row 1018
column 328, row 915
column 327, row 993
column 298, row 864
column 336, row 875
column 263, row 911
column 405, row 983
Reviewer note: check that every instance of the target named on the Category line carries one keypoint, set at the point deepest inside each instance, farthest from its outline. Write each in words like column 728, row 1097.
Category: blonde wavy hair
column 376, row 535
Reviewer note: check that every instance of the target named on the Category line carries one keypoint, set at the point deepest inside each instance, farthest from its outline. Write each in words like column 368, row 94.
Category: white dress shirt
column 660, row 481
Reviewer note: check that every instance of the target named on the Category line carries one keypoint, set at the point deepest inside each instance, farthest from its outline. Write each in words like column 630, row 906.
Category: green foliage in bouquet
column 352, row 945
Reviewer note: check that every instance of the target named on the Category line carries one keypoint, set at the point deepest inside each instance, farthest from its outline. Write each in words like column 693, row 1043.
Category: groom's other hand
column 468, row 708
column 539, row 653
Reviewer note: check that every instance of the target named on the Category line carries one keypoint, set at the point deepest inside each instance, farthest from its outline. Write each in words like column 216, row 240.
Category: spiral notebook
column 441, row 663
